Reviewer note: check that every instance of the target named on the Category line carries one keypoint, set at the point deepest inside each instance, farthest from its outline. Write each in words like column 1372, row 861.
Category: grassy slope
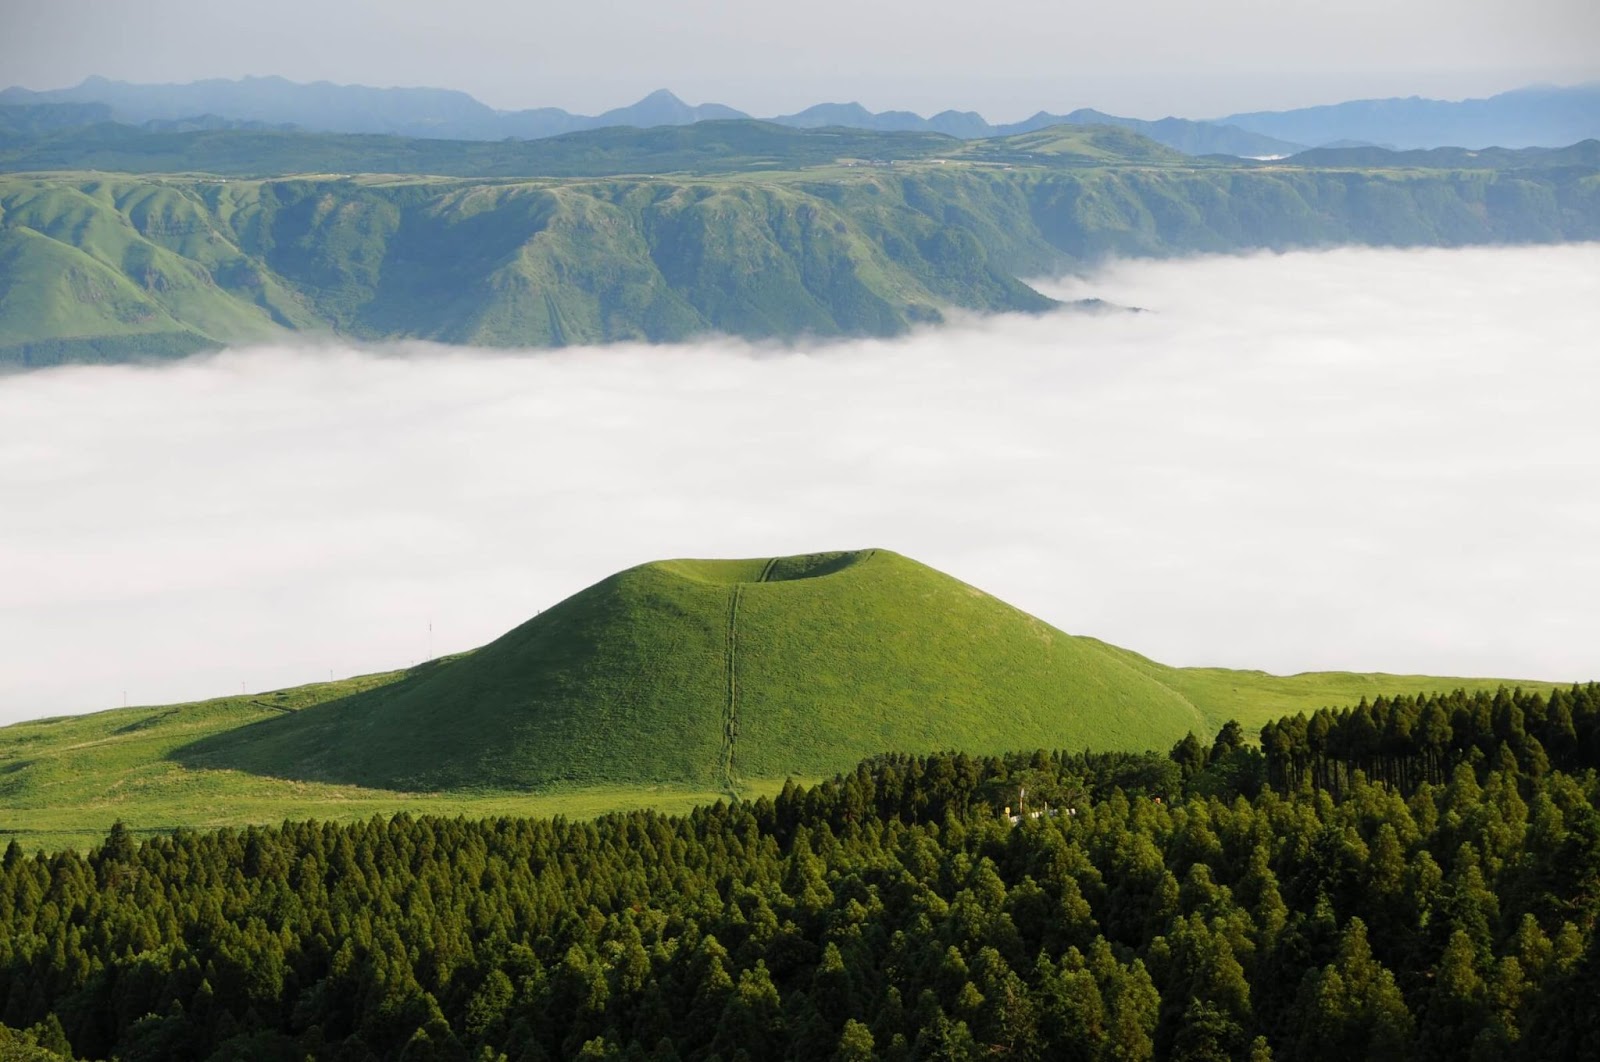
column 64, row 781
column 1254, row 697
column 86, row 264
column 95, row 267
column 888, row 654
column 633, row 714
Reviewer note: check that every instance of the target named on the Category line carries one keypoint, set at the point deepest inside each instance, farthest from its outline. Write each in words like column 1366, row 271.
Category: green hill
column 706, row 672
column 98, row 267
column 665, row 685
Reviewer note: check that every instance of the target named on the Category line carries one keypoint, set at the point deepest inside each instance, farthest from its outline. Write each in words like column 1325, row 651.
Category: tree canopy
column 1403, row 879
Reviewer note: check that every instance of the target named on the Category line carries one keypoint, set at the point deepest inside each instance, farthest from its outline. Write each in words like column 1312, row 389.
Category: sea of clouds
column 1354, row 459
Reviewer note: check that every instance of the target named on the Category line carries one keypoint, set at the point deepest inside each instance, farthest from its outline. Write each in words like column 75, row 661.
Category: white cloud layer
column 1359, row 459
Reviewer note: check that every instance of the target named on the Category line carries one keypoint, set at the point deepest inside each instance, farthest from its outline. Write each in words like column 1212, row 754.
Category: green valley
column 664, row 234
column 666, row 685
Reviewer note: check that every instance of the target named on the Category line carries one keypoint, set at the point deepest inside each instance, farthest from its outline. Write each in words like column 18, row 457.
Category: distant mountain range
column 446, row 114
column 1530, row 117
column 1539, row 116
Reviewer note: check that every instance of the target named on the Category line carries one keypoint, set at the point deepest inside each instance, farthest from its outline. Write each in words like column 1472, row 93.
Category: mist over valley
column 1353, row 459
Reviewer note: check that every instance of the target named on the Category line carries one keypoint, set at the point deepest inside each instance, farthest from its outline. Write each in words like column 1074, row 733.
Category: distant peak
column 836, row 108
column 662, row 96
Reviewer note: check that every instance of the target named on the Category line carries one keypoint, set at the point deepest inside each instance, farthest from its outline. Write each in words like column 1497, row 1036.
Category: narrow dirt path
column 730, row 711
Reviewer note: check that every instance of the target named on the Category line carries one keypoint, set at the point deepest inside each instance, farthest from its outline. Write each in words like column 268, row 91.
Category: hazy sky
column 1356, row 459
column 1005, row 58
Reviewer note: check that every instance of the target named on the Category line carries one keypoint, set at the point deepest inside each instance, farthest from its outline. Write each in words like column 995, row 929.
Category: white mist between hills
column 1355, row 459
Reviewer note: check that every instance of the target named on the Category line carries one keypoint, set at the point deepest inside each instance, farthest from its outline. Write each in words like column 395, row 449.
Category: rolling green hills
column 664, row 685
column 98, row 267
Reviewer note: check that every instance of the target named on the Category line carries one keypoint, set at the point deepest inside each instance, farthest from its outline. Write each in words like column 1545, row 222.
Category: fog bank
column 1358, row 459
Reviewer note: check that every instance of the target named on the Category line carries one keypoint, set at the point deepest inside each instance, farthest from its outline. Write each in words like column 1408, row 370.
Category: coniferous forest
column 1406, row 879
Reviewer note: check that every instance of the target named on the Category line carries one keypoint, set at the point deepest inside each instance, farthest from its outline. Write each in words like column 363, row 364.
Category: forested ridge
column 1407, row 878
